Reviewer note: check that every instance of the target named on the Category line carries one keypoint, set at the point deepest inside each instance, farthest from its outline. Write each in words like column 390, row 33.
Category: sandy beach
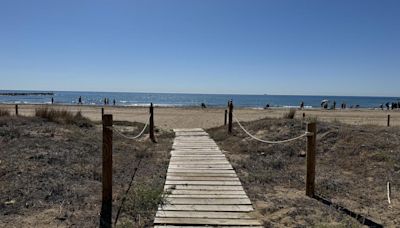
column 191, row 117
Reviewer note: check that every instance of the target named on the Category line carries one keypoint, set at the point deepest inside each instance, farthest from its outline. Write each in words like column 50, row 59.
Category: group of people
column 393, row 105
column 106, row 101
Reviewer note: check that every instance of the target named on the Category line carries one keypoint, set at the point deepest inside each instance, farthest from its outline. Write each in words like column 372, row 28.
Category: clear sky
column 320, row 47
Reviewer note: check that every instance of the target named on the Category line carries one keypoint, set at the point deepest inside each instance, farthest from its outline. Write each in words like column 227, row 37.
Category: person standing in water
column 80, row 100
column 114, row 102
column 52, row 100
column 302, row 105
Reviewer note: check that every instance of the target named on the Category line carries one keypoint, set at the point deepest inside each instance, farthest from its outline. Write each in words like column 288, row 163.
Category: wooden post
column 311, row 149
column 226, row 117
column 102, row 112
column 388, row 121
column 304, row 115
column 151, row 130
column 230, row 117
column 106, row 205
column 16, row 110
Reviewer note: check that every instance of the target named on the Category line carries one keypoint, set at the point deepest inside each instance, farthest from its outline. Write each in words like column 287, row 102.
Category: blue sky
column 335, row 47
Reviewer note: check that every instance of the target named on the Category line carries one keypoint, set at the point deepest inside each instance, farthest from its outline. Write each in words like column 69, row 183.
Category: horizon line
column 197, row 93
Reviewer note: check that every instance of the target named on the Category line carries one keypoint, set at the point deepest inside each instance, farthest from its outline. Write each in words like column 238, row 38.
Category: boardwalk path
column 204, row 189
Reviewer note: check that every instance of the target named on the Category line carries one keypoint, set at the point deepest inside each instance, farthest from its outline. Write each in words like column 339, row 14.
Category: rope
column 270, row 142
column 135, row 137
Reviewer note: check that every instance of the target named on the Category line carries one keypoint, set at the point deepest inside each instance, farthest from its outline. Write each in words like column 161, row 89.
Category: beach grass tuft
column 290, row 114
column 63, row 117
column 4, row 112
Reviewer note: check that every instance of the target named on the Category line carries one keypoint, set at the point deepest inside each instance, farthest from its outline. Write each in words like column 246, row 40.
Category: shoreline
column 195, row 117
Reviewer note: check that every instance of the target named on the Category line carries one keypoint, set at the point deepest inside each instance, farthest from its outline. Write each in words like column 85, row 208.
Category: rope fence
column 267, row 141
column 134, row 137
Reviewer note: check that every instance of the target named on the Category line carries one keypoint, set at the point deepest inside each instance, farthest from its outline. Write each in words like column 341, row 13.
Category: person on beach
column 203, row 105
column 105, row 101
column 302, row 105
column 267, row 106
column 334, row 105
column 52, row 100
column 114, row 102
column 381, row 106
column 80, row 100
column 387, row 105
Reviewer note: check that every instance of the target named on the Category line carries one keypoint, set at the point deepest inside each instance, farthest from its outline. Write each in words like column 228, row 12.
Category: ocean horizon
column 187, row 99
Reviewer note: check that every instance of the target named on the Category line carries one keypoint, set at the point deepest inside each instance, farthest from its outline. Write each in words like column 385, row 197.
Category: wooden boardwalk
column 202, row 187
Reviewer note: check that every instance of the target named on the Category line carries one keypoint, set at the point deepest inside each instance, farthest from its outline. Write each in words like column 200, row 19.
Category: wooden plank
column 201, row 162
column 195, row 196
column 206, row 201
column 201, row 175
column 194, row 153
column 197, row 157
column 206, row 192
column 187, row 129
column 202, row 167
column 202, row 214
column 225, row 208
column 199, row 171
column 206, row 221
column 218, row 183
column 199, row 226
column 202, row 178
column 203, row 187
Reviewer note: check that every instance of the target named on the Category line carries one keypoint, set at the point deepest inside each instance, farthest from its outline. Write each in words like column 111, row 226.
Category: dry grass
column 353, row 165
column 50, row 173
column 290, row 114
column 63, row 117
column 4, row 112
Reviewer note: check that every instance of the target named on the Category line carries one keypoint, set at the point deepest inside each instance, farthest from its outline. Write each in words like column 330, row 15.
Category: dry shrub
column 290, row 114
column 4, row 112
column 63, row 117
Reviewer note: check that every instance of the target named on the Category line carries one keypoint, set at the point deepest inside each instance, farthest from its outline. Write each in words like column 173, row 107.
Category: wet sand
column 192, row 117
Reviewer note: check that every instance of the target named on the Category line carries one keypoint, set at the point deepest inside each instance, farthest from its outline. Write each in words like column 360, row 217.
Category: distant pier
column 27, row 94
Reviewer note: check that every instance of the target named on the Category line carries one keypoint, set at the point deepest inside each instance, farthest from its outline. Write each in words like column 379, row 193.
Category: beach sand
column 192, row 117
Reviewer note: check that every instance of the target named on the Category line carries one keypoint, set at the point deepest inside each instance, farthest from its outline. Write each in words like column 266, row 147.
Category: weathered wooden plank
column 193, row 153
column 202, row 168
column 206, row 221
column 199, row 171
column 195, row 166
column 206, row 201
column 218, row 183
column 198, row 158
column 203, row 214
column 203, row 187
column 226, row 208
column 195, row 196
column 202, row 178
column 200, row 162
column 200, row 226
column 201, row 175
column 206, row 192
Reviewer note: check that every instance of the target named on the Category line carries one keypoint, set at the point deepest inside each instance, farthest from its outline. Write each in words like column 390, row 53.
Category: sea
column 189, row 100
